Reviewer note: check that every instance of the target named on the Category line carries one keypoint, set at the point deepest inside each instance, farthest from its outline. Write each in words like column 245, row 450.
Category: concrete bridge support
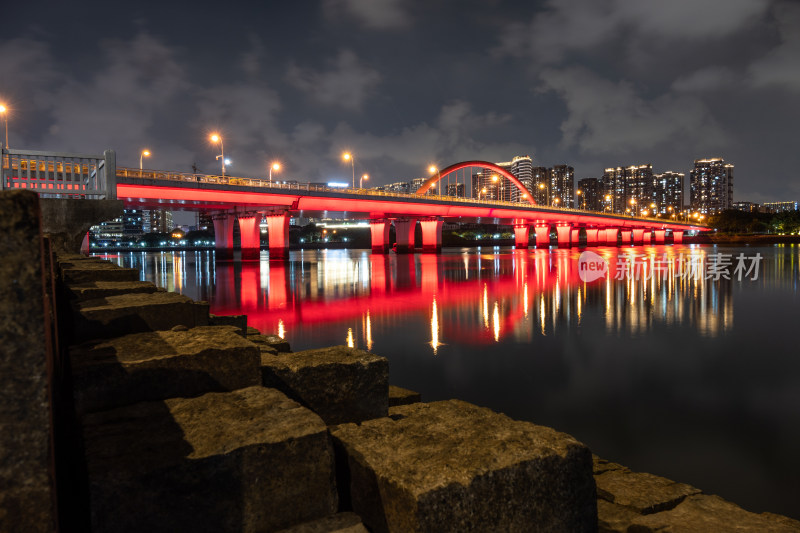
column 522, row 233
column 677, row 237
column 638, row 237
column 648, row 236
column 625, row 237
column 542, row 235
column 591, row 236
column 562, row 235
column 404, row 232
column 431, row 235
column 223, row 236
column 379, row 229
column 660, row 236
column 278, row 227
column 611, row 235
column 575, row 237
column 250, row 229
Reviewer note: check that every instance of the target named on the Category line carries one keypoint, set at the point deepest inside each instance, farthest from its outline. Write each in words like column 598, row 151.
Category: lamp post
column 274, row 166
column 610, row 203
column 361, row 180
column 216, row 138
column 433, row 170
column 4, row 112
column 581, row 202
column 347, row 156
column 145, row 153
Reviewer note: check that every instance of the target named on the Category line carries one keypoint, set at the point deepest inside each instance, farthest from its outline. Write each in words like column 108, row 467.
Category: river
column 679, row 360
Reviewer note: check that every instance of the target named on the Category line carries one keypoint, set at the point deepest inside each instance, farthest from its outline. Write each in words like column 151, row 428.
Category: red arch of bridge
column 482, row 164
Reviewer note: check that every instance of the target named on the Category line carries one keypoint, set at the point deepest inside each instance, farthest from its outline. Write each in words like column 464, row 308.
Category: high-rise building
column 157, row 221
column 747, row 207
column 591, row 194
column 668, row 192
column 488, row 185
column 540, row 178
column 456, row 189
column 779, row 207
column 628, row 189
column 522, row 169
column 711, row 185
column 562, row 185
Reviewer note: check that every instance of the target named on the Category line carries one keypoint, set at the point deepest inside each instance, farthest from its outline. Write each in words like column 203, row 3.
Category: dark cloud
column 373, row 14
column 347, row 83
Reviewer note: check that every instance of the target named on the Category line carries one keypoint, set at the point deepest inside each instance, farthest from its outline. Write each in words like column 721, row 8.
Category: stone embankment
column 178, row 420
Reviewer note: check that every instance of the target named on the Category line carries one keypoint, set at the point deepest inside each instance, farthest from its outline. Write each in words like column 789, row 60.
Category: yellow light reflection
column 496, row 322
column 435, row 327
column 485, row 307
column 369, row 332
column 281, row 329
column 525, row 299
column 350, row 342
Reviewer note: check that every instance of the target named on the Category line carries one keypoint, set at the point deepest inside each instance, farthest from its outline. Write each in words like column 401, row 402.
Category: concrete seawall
column 127, row 408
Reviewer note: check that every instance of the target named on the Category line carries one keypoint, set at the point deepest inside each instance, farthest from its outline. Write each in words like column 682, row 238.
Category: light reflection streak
column 350, row 341
column 485, row 307
column 496, row 322
column 281, row 329
column 435, row 327
column 369, row 331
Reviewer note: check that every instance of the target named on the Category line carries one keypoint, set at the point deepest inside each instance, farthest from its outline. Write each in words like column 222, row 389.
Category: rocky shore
column 164, row 417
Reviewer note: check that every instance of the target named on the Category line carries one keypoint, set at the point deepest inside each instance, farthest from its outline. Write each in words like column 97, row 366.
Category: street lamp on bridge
column 274, row 166
column 4, row 112
column 216, row 138
column 145, row 153
column 361, row 180
column 347, row 156
column 434, row 170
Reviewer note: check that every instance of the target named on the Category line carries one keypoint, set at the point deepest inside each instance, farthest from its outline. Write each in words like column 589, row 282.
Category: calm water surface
column 694, row 379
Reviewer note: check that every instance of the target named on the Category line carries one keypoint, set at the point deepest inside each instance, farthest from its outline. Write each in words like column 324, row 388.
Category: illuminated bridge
column 244, row 201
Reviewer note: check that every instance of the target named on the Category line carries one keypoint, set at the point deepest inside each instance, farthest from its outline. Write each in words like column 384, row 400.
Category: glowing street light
column 145, row 153
column 216, row 138
column 434, row 170
column 347, row 156
column 4, row 112
column 274, row 166
column 361, row 180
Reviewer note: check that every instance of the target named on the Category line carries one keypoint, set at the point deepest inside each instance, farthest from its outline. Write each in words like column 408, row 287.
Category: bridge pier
column 431, row 235
column 677, row 237
column 648, row 236
column 591, row 236
column 562, row 234
column 542, row 235
column 250, row 229
column 379, row 229
column 278, row 227
column 404, row 229
column 638, row 236
column 611, row 235
column 625, row 237
column 575, row 237
column 223, row 236
column 660, row 236
column 522, row 235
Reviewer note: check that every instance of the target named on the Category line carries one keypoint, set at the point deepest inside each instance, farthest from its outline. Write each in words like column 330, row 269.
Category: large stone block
column 643, row 492
column 711, row 514
column 250, row 460
column 26, row 502
column 134, row 313
column 91, row 271
column 401, row 396
column 452, row 466
column 274, row 342
column 239, row 321
column 104, row 289
column 163, row 364
column 340, row 384
column 338, row 523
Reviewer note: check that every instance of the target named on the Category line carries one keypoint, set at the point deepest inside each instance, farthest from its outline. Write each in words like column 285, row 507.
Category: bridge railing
column 296, row 186
column 60, row 174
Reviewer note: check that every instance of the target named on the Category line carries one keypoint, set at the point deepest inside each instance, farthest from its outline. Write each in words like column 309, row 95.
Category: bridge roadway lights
column 379, row 230
column 562, row 235
column 431, row 235
column 660, row 236
column 575, row 237
column 591, row 236
column 542, row 235
column 677, row 237
column 278, row 236
column 250, row 229
column 404, row 233
column 522, row 234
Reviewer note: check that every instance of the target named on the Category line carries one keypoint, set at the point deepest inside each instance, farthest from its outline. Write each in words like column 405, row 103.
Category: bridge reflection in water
column 474, row 296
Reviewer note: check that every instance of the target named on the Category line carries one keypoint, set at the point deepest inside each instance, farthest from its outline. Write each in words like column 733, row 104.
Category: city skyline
column 403, row 86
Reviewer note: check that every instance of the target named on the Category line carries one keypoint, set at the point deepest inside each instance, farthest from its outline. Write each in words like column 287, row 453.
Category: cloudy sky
column 402, row 83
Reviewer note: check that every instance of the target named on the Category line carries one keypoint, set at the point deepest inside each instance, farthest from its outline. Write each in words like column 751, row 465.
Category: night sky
column 403, row 84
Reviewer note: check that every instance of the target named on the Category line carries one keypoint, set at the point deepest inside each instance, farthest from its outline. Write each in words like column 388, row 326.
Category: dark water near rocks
column 694, row 379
